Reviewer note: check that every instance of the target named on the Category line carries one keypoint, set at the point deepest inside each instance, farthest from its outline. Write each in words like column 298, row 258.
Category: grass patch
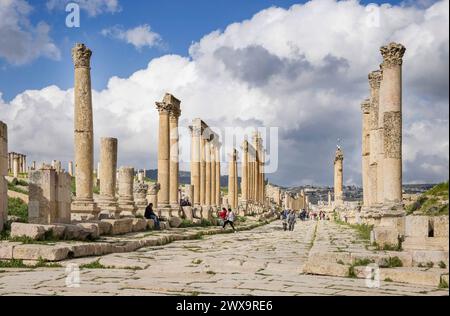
column 18, row 263
column 351, row 272
column 95, row 265
column 14, row 263
column 363, row 230
column 17, row 207
column 340, row 262
column 388, row 280
column 362, row 262
column 391, row 262
column 442, row 265
column 197, row 261
column 210, row 272
column 443, row 284
column 433, row 202
column 12, row 187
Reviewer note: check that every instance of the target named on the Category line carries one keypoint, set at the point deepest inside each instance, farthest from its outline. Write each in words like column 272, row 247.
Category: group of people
column 227, row 217
column 288, row 218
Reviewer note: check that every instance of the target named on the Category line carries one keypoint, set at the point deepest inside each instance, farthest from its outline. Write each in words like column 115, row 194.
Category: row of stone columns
column 205, row 165
column 382, row 132
column 17, row 163
column 4, row 164
column 253, row 177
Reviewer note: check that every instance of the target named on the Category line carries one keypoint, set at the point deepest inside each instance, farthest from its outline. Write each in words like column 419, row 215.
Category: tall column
column 236, row 186
column 374, row 82
column 217, row 165
column 231, row 179
column 213, row 175
column 391, row 100
column 126, row 198
column 25, row 169
column 16, row 166
column 4, row 164
column 244, row 176
column 365, row 108
column 338, row 177
column 329, row 198
column 84, row 134
column 208, row 173
column 202, row 169
column 195, row 161
column 174, row 166
column 70, row 167
column 108, row 162
column 164, row 108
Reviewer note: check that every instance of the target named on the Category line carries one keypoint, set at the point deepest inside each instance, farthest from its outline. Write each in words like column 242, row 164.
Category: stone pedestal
column 84, row 135
column 126, row 199
column 49, row 196
column 107, row 201
column 152, row 193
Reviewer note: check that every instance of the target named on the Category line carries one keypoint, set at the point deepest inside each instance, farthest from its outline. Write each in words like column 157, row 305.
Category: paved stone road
column 264, row 261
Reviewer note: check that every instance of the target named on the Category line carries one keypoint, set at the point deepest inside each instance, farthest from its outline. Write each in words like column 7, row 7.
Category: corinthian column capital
column 375, row 79
column 81, row 56
column 392, row 55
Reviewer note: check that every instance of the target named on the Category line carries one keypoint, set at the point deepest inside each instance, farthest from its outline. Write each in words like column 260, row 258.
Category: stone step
column 428, row 243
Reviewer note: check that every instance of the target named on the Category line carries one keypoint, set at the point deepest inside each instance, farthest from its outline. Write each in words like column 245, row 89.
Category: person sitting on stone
column 149, row 214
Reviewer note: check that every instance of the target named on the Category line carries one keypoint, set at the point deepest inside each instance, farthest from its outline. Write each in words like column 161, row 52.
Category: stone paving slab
column 262, row 261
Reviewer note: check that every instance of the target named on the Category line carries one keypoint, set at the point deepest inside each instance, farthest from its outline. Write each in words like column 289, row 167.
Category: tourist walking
column 229, row 219
column 222, row 216
column 291, row 220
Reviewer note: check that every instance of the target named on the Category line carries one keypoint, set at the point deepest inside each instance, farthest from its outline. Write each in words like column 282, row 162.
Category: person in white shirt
column 229, row 219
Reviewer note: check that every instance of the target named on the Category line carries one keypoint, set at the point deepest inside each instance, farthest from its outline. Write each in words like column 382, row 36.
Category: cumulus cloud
column 20, row 40
column 140, row 36
column 92, row 7
column 302, row 69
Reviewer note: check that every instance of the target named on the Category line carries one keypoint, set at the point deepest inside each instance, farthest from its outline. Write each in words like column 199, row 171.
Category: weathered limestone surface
column 140, row 190
column 365, row 170
column 391, row 100
column 49, row 196
column 195, row 160
column 338, row 177
column 83, row 205
column 126, row 197
column 265, row 261
column 3, row 173
column 107, row 173
column 174, row 115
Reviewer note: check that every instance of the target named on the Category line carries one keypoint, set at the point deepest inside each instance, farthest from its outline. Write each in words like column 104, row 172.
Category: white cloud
column 140, row 36
column 20, row 40
column 92, row 7
column 303, row 69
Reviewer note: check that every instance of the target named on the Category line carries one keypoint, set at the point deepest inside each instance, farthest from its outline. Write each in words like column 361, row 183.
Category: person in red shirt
column 223, row 214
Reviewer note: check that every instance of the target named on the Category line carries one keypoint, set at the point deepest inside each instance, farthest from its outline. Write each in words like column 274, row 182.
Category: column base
column 84, row 209
column 127, row 208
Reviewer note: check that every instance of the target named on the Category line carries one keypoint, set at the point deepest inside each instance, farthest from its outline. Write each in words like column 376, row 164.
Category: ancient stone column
column 152, row 193
column 108, row 167
column 338, row 177
column 3, row 172
column 16, row 167
column 140, row 197
column 329, row 198
column 231, row 182
column 217, row 166
column 33, row 166
column 24, row 166
column 236, row 185
column 70, row 167
column 164, row 108
column 365, row 108
column 208, row 173
column 213, row 175
column 244, row 176
column 126, row 198
column 174, row 114
column 195, row 161
column 202, row 169
column 374, row 148
column 391, row 100
column 84, row 134
column 140, row 176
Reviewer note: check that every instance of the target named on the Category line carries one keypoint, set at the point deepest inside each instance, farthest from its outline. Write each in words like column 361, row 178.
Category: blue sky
column 302, row 69
column 179, row 23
